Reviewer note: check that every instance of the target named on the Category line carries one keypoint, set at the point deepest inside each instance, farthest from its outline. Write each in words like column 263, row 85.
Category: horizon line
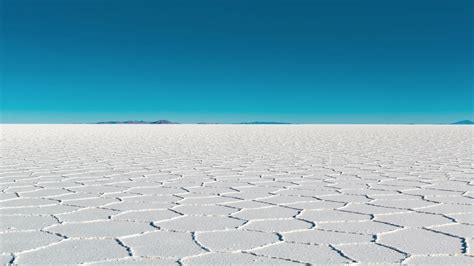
column 238, row 123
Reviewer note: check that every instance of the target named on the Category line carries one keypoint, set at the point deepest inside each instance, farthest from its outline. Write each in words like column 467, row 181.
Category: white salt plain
column 236, row 194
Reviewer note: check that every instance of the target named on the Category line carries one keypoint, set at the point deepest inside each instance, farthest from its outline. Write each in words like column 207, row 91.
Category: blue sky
column 320, row 61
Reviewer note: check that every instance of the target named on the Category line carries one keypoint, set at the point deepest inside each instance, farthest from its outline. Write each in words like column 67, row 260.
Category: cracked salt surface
column 232, row 194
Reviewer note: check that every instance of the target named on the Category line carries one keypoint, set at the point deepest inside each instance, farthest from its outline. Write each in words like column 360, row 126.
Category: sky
column 300, row 61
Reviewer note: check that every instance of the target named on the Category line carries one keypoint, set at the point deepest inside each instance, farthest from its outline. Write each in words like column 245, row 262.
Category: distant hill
column 463, row 122
column 264, row 123
column 158, row 122
column 123, row 122
column 163, row 122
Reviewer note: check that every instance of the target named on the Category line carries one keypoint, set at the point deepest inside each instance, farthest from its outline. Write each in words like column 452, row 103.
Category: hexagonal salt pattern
column 230, row 194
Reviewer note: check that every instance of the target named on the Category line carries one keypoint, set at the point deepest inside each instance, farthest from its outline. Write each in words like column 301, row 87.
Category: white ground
column 221, row 194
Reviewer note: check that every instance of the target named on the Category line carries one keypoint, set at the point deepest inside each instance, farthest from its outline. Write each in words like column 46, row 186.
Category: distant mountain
column 123, row 122
column 163, row 122
column 463, row 122
column 158, row 122
column 264, row 123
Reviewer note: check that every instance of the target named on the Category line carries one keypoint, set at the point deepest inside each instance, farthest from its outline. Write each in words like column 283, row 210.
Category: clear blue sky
column 320, row 61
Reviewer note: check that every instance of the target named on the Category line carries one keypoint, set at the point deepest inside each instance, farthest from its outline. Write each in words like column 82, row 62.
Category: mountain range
column 264, row 123
column 158, row 122
column 463, row 122
column 164, row 122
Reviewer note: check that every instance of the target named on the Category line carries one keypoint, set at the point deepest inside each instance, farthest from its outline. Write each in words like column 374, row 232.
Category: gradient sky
column 320, row 61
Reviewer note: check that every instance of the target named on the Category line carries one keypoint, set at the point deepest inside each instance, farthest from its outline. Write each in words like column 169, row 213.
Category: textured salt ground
column 236, row 194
